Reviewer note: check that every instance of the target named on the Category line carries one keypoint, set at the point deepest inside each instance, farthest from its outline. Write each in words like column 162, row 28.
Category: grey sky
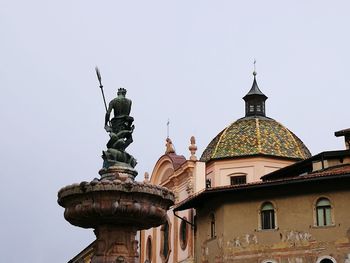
column 190, row 61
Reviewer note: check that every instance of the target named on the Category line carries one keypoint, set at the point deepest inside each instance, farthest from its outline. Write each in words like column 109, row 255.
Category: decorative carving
column 189, row 187
column 146, row 180
column 193, row 149
column 169, row 147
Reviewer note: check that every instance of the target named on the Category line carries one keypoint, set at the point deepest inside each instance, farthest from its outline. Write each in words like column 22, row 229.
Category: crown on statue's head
column 121, row 91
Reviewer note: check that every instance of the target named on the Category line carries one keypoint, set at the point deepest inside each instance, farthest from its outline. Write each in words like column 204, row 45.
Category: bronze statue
column 120, row 130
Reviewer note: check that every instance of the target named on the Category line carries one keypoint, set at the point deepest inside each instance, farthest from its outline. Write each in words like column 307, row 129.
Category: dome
column 258, row 135
column 255, row 134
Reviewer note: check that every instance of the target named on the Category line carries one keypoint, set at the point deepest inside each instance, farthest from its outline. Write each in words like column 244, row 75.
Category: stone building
column 299, row 214
column 240, row 155
column 255, row 210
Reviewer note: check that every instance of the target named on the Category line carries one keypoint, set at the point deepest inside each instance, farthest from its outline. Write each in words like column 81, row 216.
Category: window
column 326, row 259
column 212, row 225
column 323, row 212
column 165, row 242
column 267, row 216
column 242, row 179
column 149, row 249
column 251, row 108
column 183, row 234
column 258, row 108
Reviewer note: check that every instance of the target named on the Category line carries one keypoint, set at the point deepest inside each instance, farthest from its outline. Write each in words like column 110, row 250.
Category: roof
column 258, row 135
column 177, row 160
column 331, row 174
column 86, row 253
column 255, row 91
column 342, row 132
column 304, row 166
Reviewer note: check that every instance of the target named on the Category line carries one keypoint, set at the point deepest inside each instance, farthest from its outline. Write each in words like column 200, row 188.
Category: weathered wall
column 295, row 239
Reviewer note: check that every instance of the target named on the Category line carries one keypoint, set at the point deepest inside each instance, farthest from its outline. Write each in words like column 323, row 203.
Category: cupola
column 255, row 100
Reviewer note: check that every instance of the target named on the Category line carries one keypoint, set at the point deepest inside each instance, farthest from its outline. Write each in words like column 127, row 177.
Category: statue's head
column 121, row 91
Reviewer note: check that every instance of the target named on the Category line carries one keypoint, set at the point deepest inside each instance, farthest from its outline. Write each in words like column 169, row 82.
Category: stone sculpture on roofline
column 116, row 206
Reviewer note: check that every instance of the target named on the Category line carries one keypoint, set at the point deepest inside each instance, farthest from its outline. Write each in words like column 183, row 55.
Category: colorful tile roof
column 255, row 136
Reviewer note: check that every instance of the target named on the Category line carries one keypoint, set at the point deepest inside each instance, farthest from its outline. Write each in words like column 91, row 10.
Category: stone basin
column 115, row 202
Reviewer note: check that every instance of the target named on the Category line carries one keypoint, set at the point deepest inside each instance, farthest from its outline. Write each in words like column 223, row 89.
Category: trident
column 101, row 86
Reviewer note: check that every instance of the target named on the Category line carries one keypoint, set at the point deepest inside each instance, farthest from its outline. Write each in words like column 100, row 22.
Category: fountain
column 116, row 206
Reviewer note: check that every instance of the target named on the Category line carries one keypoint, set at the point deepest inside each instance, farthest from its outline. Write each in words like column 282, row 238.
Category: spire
column 255, row 99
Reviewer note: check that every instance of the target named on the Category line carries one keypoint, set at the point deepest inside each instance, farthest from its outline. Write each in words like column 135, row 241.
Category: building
column 240, row 155
column 299, row 214
column 173, row 242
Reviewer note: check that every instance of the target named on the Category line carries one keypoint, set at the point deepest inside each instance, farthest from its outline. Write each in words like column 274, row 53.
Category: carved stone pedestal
column 115, row 245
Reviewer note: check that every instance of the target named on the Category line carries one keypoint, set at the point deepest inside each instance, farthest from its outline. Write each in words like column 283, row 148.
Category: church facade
column 228, row 208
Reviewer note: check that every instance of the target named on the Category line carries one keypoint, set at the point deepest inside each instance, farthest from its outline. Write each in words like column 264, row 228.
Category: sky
column 187, row 61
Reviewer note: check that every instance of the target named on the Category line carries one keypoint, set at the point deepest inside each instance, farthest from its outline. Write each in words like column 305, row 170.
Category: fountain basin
column 114, row 202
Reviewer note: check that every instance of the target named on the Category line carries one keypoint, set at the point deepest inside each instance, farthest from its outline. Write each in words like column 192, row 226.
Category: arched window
column 326, row 259
column 165, row 242
column 267, row 216
column 323, row 212
column 149, row 249
column 183, row 234
column 212, row 225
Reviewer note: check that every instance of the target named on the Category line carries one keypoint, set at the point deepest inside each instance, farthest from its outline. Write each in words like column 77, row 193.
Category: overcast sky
column 189, row 61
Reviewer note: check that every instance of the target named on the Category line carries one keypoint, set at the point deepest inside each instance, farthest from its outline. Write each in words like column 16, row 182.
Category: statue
column 120, row 129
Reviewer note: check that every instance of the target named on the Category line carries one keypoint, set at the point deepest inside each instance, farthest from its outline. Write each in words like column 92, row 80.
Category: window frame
column 316, row 208
column 260, row 216
column 238, row 176
column 183, row 234
column 319, row 260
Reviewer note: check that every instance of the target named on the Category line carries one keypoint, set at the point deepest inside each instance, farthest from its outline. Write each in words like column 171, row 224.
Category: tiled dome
column 256, row 135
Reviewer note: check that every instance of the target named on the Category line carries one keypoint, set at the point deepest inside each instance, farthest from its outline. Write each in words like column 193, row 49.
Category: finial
column 193, row 149
column 254, row 72
column 169, row 146
column 146, row 180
